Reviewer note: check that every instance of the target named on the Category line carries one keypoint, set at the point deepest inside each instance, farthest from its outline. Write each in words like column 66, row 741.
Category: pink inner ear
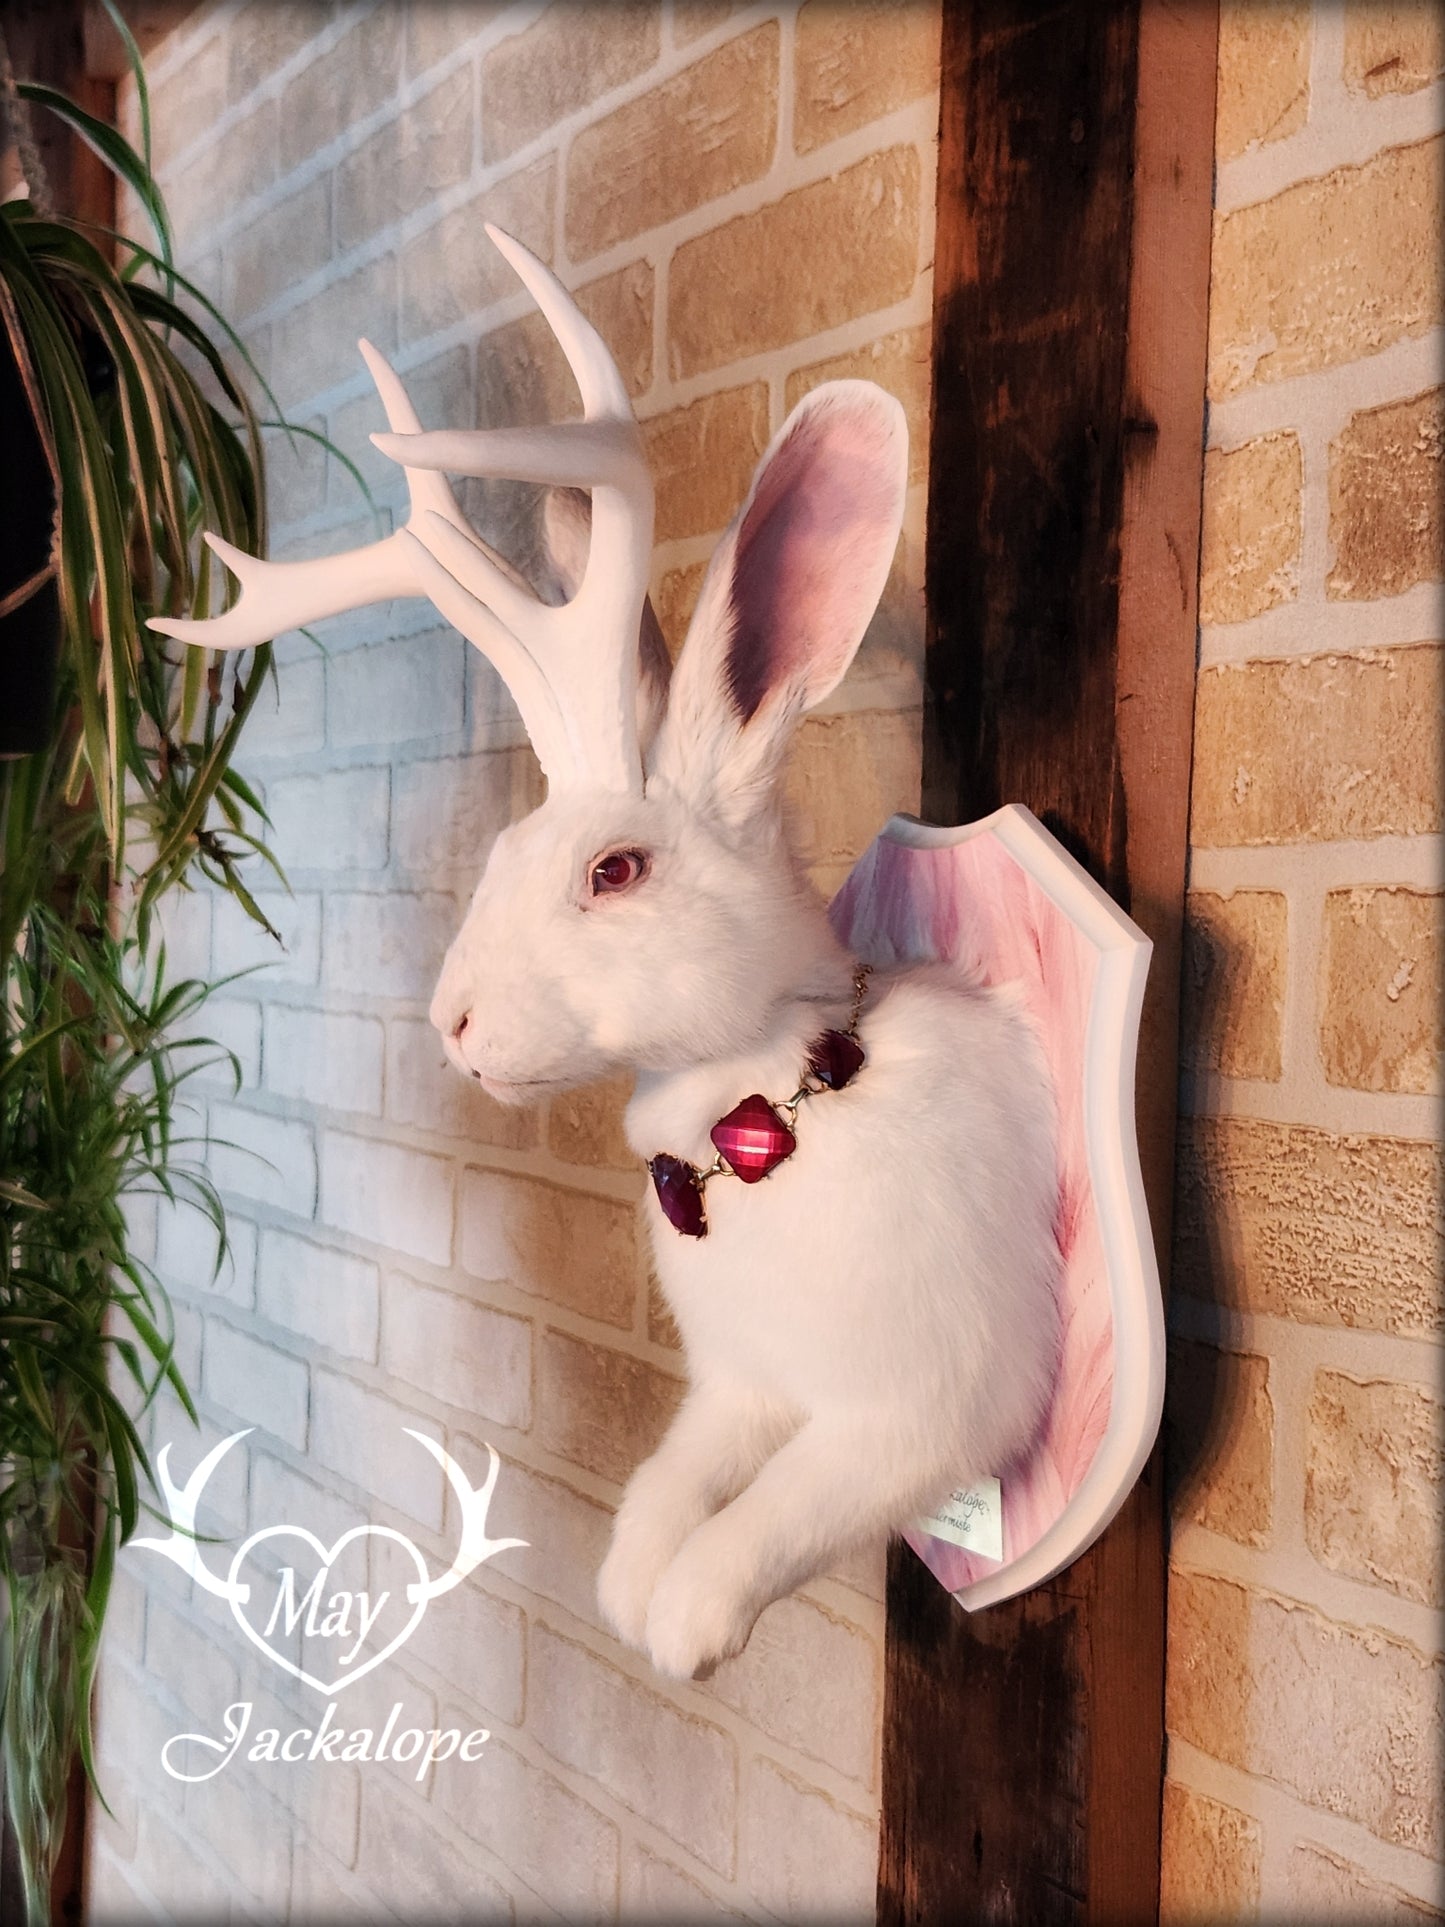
column 812, row 553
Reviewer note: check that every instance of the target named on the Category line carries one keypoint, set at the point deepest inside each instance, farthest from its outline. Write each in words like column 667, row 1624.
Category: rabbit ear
column 567, row 536
column 787, row 596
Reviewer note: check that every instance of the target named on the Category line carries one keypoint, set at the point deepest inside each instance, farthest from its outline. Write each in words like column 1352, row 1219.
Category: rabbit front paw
column 636, row 1560
column 697, row 1618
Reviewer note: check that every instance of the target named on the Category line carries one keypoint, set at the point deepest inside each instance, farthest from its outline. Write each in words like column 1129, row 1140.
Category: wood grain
column 1022, row 1757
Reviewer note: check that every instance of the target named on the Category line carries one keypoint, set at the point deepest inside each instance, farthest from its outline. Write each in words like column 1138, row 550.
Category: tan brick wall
column 1304, row 1426
column 741, row 197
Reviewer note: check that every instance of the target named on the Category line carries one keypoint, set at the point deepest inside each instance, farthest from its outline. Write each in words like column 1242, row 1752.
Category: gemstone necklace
column 756, row 1136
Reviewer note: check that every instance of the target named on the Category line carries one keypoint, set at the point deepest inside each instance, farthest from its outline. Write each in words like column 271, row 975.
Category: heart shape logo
column 311, row 1597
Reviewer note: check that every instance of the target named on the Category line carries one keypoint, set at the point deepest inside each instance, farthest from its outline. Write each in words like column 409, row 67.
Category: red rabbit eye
column 617, row 871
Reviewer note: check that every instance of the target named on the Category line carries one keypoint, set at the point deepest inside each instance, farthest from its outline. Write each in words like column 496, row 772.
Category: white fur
column 875, row 1321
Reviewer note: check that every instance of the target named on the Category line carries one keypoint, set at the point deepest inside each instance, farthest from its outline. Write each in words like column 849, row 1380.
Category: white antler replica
column 474, row 1547
column 572, row 671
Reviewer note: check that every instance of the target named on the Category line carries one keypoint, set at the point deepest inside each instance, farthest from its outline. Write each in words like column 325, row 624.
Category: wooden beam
column 1022, row 1757
column 47, row 42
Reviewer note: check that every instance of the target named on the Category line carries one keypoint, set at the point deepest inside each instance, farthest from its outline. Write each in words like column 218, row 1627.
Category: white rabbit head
column 659, row 929
column 650, row 912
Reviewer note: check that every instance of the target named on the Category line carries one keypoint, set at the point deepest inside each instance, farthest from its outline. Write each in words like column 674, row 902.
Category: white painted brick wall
column 420, row 1256
column 332, row 822
column 261, row 1156
column 321, row 1294
column 327, row 1058
column 249, row 1378
column 678, row 1773
column 390, row 1195
column 360, row 1435
column 386, row 945
column 464, row 1354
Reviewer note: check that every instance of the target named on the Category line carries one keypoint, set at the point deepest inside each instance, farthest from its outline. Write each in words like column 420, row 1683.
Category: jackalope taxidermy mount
column 878, row 1320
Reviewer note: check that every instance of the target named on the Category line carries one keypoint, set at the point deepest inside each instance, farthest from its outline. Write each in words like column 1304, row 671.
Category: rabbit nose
column 458, row 1030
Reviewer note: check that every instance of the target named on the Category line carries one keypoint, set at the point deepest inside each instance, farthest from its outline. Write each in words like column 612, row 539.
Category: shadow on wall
column 1218, row 1416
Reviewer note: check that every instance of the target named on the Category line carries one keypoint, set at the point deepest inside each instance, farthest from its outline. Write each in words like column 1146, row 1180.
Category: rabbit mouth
column 506, row 1090
column 519, row 1090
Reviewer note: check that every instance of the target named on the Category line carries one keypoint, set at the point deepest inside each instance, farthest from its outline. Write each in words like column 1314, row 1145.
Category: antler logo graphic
column 273, row 1606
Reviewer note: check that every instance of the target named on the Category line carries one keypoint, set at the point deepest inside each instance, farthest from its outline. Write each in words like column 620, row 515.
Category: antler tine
column 576, row 693
column 603, row 391
column 486, row 631
column 585, row 651
column 276, row 596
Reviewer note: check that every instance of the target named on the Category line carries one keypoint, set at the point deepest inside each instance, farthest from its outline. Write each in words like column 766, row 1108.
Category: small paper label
column 972, row 1517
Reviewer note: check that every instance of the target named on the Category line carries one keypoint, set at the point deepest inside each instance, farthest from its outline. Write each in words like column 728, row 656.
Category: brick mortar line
column 740, row 20
column 338, row 1484
column 1351, row 1113
column 524, row 1446
column 776, row 365
column 663, row 394
column 1414, row 861
column 1317, row 548
column 670, row 61
column 145, row 1682
column 911, row 125
column 206, row 22
column 629, row 1824
column 466, row 1845
column 632, row 1828
column 1342, row 137
column 387, row 1382
column 1304, row 1086
column 1406, row 1357
column 1315, row 625
column 1322, row 400
column 785, row 130
column 496, row 1293
column 1289, row 1571
column 1285, row 1819
column 490, row 30
column 851, row 337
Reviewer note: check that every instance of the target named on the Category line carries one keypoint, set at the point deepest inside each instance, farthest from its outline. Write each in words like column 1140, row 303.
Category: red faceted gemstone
column 753, row 1138
column 835, row 1059
column 679, row 1194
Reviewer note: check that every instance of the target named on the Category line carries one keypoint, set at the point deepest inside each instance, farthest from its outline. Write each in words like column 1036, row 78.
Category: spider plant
column 149, row 435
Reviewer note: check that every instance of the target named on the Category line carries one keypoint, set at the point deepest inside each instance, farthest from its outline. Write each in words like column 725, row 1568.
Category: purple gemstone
column 835, row 1059
column 679, row 1194
column 753, row 1138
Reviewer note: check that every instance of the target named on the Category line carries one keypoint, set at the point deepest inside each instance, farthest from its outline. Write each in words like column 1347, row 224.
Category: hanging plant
column 128, row 792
